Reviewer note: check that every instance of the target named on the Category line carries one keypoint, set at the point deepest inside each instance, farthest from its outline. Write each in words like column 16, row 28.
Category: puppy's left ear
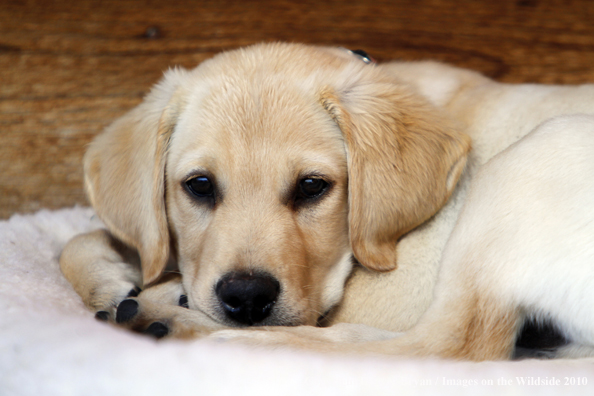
column 404, row 161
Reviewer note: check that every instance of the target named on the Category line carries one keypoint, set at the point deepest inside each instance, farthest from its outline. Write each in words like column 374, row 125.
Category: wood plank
column 70, row 68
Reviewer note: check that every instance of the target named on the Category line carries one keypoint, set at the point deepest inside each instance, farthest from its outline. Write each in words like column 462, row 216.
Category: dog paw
column 127, row 310
column 107, row 299
column 163, row 320
column 103, row 316
column 183, row 301
column 157, row 330
column 134, row 292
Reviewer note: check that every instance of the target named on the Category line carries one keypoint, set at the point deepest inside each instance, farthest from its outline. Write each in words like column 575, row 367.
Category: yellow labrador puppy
column 248, row 187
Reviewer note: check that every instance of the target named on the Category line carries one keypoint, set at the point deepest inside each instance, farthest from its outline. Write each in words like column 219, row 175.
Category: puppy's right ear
column 124, row 171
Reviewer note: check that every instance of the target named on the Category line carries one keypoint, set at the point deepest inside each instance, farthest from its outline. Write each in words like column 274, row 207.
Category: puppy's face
column 241, row 166
column 257, row 202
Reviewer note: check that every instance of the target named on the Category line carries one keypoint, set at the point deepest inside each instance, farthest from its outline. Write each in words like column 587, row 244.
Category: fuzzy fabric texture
column 51, row 345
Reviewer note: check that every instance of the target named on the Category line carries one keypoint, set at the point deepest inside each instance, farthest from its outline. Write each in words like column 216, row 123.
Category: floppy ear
column 403, row 163
column 125, row 175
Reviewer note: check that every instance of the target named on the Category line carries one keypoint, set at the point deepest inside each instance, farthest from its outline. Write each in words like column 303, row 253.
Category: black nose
column 247, row 298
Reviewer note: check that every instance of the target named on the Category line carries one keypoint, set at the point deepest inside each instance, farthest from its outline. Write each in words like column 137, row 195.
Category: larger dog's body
column 261, row 173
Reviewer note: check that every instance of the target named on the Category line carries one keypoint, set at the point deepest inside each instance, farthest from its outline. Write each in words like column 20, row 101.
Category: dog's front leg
column 162, row 310
column 102, row 270
column 146, row 315
column 106, row 274
column 340, row 338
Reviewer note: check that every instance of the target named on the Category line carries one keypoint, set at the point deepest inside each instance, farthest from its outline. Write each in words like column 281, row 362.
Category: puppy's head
column 264, row 170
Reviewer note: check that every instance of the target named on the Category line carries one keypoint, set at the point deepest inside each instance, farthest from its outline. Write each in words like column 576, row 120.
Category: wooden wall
column 68, row 68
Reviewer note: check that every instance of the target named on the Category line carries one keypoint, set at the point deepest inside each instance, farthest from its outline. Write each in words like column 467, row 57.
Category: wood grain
column 69, row 68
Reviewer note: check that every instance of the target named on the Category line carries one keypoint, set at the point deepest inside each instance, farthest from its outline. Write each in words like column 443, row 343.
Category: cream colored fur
column 392, row 141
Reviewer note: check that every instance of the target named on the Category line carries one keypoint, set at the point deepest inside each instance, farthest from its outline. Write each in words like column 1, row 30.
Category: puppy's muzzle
column 247, row 298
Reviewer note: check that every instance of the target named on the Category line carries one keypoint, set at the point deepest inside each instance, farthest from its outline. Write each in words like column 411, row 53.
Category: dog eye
column 312, row 187
column 200, row 186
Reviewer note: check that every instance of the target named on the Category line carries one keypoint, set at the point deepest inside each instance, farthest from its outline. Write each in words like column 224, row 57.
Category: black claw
column 157, row 330
column 126, row 311
column 102, row 316
column 183, row 301
column 134, row 292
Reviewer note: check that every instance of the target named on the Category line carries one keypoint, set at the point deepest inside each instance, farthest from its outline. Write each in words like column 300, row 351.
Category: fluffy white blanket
column 51, row 345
